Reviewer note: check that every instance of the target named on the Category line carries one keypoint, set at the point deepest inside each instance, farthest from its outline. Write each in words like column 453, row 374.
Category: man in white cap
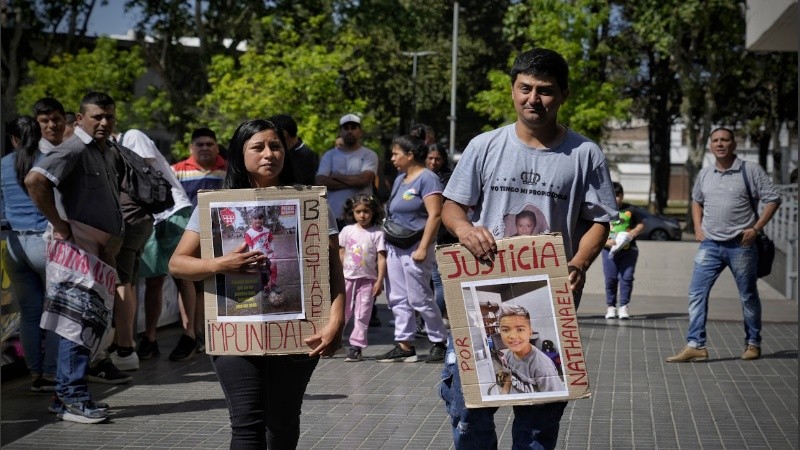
column 349, row 170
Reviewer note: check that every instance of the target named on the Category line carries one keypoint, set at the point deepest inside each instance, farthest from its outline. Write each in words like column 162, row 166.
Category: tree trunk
column 658, row 133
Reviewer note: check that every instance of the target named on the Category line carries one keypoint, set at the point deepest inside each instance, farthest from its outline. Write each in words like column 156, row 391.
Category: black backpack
column 146, row 186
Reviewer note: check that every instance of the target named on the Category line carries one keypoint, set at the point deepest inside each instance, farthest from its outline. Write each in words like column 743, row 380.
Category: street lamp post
column 414, row 56
column 454, row 60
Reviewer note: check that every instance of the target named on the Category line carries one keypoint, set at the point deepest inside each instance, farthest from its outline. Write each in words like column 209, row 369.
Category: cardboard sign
column 270, row 308
column 513, row 323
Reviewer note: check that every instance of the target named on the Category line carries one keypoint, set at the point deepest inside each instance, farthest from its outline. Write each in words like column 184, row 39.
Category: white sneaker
column 611, row 312
column 623, row 312
column 127, row 363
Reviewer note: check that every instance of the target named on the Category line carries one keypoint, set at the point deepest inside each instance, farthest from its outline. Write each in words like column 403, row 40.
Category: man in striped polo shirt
column 204, row 169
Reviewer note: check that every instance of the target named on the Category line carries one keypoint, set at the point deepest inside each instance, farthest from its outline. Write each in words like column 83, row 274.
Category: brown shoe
column 690, row 354
column 751, row 352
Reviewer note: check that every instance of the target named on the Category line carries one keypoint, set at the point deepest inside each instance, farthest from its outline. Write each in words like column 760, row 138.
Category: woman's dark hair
column 442, row 151
column 28, row 132
column 372, row 203
column 237, row 176
column 410, row 143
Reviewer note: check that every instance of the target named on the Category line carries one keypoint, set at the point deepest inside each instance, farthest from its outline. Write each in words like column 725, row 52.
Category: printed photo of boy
column 526, row 368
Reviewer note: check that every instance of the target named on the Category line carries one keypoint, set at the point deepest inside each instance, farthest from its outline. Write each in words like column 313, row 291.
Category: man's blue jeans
column 534, row 427
column 73, row 363
column 438, row 288
column 711, row 259
column 618, row 270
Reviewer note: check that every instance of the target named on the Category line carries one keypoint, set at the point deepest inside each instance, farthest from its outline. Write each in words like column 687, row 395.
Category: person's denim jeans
column 438, row 289
column 264, row 396
column 73, row 364
column 25, row 262
column 618, row 270
column 534, row 427
column 711, row 259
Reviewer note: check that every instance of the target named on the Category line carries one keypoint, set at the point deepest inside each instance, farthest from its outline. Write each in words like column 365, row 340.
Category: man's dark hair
column 541, row 62
column 618, row 188
column 47, row 105
column 286, row 122
column 70, row 116
column 730, row 132
column 100, row 99
column 203, row 132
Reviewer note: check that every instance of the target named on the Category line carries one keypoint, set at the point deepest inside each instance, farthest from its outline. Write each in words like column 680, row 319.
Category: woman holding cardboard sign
column 264, row 393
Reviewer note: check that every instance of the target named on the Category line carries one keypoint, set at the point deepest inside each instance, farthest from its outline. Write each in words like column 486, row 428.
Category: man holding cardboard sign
column 538, row 165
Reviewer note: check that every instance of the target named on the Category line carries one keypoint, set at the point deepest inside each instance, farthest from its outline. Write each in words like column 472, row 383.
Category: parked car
column 658, row 227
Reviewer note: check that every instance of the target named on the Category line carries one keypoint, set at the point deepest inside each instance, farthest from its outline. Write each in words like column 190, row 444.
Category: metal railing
column 783, row 230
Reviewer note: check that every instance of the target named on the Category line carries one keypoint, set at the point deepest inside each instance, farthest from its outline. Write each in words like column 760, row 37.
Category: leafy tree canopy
column 304, row 81
column 68, row 77
column 578, row 30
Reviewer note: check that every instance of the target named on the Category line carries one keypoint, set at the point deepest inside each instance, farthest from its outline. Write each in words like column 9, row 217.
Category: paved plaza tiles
column 638, row 400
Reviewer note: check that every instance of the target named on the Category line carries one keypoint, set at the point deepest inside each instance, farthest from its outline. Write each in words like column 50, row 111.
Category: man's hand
column 577, row 278
column 478, row 240
column 748, row 237
column 61, row 230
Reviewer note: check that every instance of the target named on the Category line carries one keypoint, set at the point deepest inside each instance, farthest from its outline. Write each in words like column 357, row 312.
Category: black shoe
column 185, row 349
column 200, row 342
column 397, row 354
column 437, row 353
column 43, row 385
column 147, row 349
column 106, row 372
column 354, row 354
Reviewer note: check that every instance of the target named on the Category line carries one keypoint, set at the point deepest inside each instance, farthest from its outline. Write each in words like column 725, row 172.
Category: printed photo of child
column 528, row 221
column 526, row 368
column 258, row 238
column 271, row 287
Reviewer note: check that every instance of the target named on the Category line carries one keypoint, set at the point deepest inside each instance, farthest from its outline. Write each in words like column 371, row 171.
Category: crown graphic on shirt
column 530, row 177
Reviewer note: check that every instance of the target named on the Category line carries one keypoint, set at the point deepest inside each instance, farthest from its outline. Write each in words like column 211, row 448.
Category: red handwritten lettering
column 465, row 352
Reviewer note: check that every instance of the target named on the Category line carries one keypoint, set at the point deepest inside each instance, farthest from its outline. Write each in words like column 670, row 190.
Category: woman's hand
column 327, row 340
column 241, row 260
column 419, row 254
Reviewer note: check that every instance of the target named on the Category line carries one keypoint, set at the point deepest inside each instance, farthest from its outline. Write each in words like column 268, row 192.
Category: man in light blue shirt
column 726, row 225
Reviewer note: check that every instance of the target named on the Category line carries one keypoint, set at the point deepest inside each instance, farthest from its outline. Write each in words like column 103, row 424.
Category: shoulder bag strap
column 391, row 197
column 749, row 193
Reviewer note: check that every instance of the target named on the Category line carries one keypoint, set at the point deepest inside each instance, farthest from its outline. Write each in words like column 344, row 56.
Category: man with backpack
column 83, row 171
column 139, row 199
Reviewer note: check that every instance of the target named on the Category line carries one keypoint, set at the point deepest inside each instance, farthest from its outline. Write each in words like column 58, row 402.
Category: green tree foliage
column 217, row 29
column 286, row 77
column 68, row 77
column 105, row 68
column 35, row 31
column 579, row 31
column 705, row 43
